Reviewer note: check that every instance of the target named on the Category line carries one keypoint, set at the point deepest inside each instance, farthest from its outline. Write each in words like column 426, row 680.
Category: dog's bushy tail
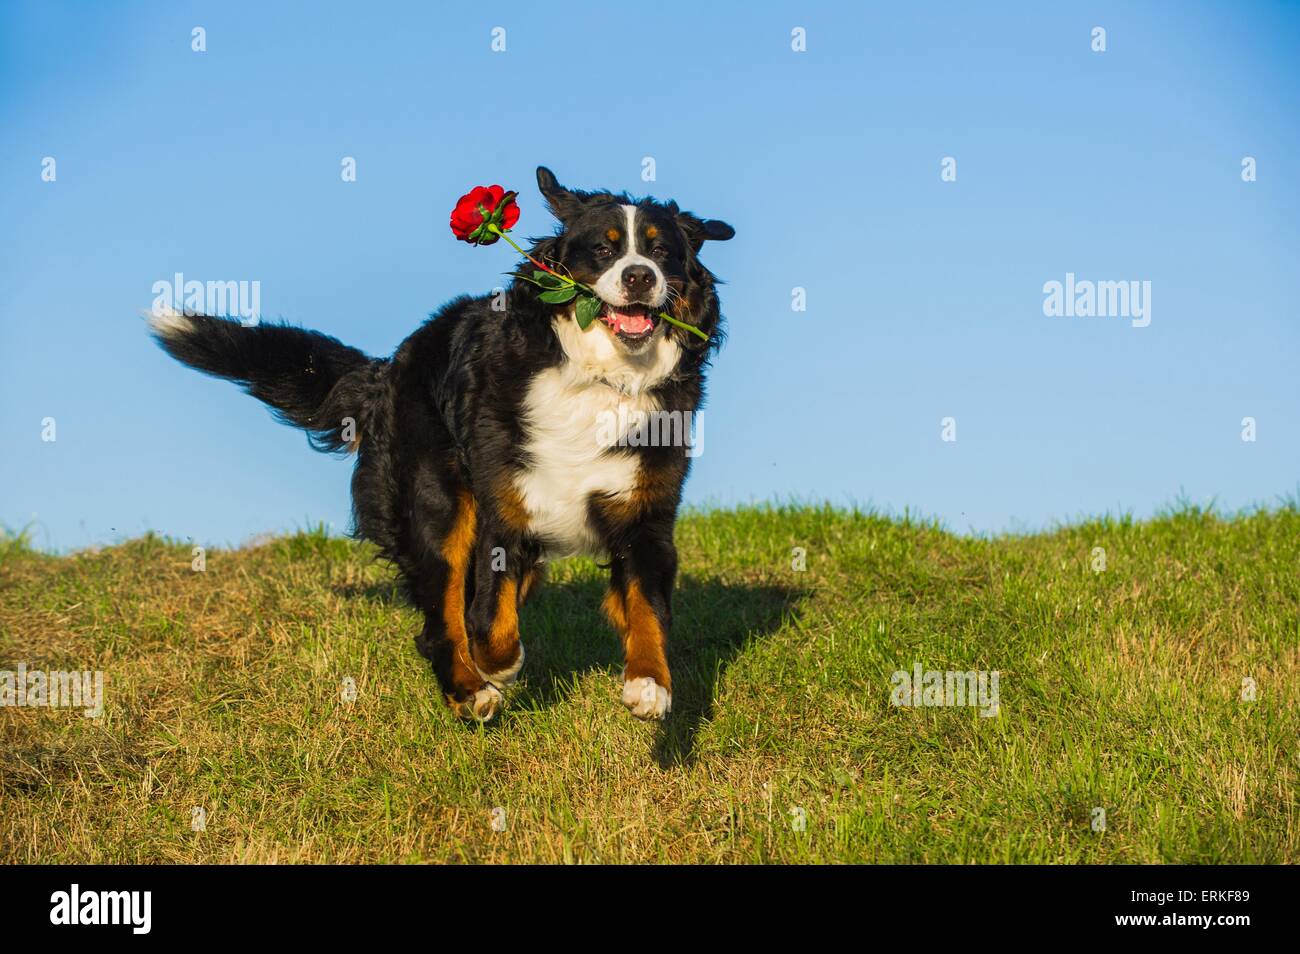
column 310, row 380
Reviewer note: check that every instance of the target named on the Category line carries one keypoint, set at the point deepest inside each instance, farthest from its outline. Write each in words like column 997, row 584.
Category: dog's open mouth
column 629, row 322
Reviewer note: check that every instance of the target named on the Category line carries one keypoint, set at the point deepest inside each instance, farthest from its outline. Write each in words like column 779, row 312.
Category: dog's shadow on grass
column 566, row 635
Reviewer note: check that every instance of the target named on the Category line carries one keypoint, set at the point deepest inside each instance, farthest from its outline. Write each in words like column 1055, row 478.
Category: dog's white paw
column 480, row 707
column 646, row 699
column 487, row 703
column 506, row 677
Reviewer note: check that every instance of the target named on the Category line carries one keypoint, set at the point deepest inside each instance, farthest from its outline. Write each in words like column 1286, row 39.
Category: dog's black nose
column 638, row 278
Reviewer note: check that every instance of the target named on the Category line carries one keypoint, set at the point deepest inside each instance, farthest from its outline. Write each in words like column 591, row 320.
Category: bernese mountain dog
column 496, row 437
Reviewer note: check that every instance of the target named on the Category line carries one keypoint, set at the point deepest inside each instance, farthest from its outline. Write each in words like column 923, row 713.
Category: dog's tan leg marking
column 647, row 684
column 501, row 656
column 471, row 698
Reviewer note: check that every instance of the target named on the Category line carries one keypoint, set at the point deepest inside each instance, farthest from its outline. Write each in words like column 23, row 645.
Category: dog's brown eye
column 660, row 252
column 603, row 251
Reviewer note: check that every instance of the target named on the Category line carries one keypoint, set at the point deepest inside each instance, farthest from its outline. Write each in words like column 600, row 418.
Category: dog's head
column 640, row 256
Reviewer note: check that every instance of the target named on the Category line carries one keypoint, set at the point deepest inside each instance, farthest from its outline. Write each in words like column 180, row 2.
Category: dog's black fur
column 440, row 431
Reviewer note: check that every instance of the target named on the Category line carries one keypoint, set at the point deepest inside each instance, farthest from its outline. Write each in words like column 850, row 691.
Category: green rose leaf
column 558, row 296
column 586, row 311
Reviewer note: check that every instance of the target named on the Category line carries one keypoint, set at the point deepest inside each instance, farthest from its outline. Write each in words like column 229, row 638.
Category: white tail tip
column 168, row 322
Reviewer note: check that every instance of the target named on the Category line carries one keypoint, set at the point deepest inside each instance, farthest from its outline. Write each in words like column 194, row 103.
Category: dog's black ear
column 718, row 231
column 699, row 230
column 563, row 203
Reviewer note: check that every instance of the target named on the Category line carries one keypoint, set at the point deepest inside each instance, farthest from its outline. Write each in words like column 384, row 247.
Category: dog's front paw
column 482, row 706
column 646, row 699
column 505, row 678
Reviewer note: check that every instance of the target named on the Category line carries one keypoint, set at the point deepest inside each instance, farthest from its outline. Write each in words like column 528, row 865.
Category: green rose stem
column 500, row 233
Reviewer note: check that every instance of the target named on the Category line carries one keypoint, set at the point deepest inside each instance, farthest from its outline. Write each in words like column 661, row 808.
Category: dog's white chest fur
column 573, row 414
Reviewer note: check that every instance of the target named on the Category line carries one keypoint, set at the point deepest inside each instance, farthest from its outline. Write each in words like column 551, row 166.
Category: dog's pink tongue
column 630, row 322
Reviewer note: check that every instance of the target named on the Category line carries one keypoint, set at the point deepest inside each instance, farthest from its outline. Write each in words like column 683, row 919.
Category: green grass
column 1119, row 689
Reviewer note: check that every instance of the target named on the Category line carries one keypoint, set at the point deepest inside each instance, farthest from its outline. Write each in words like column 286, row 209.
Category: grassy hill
column 1120, row 689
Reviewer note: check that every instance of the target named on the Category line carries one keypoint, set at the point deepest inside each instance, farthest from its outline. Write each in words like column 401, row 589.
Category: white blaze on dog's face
column 628, row 258
column 632, row 278
column 639, row 258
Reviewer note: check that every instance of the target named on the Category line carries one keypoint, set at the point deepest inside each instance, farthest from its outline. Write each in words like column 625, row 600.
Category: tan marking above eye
column 651, row 232
column 613, row 235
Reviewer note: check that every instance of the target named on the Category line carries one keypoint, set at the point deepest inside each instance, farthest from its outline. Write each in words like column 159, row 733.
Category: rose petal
column 467, row 217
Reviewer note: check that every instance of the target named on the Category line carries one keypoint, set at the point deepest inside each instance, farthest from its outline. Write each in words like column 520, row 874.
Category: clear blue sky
column 924, row 297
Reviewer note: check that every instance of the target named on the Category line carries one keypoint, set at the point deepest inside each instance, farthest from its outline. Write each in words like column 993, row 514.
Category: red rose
column 468, row 221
